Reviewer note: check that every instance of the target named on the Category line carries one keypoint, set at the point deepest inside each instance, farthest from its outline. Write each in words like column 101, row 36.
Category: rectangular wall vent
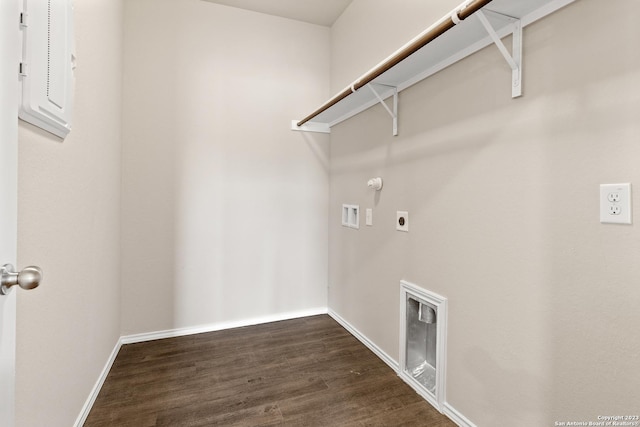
column 423, row 333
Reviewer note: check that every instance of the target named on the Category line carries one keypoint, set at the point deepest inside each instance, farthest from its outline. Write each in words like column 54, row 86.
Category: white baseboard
column 456, row 416
column 130, row 339
column 366, row 341
column 220, row 326
column 84, row 413
column 447, row 409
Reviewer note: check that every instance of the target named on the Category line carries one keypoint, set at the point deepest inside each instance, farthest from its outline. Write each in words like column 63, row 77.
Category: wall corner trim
column 366, row 341
column 84, row 413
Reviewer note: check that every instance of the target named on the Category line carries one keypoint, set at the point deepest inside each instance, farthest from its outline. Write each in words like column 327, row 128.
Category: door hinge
column 22, row 71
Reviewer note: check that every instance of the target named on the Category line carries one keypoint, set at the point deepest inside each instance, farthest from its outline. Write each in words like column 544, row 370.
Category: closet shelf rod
column 418, row 43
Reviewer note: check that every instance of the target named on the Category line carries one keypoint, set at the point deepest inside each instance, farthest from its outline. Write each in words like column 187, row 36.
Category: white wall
column 224, row 208
column 368, row 32
column 504, row 220
column 69, row 224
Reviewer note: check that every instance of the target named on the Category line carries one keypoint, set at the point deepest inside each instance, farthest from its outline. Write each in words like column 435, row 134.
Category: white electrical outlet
column 402, row 221
column 615, row 203
column 369, row 217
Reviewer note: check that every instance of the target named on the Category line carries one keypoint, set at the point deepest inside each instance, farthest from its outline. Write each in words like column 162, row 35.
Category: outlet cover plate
column 615, row 203
column 402, row 221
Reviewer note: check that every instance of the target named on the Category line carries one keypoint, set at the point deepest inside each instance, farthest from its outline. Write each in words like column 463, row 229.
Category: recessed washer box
column 351, row 216
column 46, row 67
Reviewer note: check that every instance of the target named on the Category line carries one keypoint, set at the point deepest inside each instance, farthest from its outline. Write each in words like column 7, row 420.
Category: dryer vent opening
column 423, row 341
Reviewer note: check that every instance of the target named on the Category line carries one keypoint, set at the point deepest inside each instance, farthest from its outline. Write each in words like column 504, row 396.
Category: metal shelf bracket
column 514, row 59
column 394, row 113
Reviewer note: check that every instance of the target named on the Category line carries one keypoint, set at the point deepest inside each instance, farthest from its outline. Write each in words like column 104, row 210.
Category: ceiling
column 320, row 12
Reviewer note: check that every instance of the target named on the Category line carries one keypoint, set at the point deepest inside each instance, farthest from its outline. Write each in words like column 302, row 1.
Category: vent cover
column 423, row 342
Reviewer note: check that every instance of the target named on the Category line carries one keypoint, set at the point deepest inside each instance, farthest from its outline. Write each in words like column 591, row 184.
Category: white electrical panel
column 46, row 68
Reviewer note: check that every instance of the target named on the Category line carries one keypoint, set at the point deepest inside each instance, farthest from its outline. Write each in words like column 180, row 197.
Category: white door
column 9, row 57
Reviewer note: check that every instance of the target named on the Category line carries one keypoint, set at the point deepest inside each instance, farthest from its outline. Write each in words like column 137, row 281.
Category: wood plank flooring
column 302, row 372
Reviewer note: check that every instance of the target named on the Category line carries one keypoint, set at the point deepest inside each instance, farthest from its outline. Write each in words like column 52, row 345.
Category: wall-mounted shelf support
column 394, row 113
column 514, row 59
column 443, row 44
column 311, row 127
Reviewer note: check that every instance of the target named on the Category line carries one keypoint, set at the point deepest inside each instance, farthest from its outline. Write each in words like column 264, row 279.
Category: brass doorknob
column 29, row 278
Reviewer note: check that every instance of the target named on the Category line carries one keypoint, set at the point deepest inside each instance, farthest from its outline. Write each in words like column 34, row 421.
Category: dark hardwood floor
column 302, row 372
